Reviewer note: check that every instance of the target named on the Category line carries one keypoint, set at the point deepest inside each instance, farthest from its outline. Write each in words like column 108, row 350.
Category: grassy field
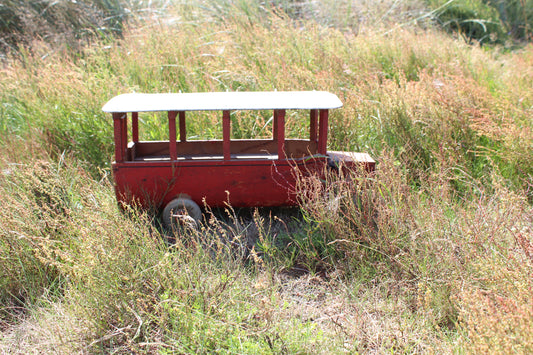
column 432, row 253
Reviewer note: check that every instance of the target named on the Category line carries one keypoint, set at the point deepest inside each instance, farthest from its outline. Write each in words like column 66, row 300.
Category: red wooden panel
column 250, row 183
column 323, row 132
column 226, row 134
column 172, row 135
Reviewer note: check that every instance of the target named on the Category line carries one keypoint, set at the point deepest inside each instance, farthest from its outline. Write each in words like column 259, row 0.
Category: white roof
column 208, row 101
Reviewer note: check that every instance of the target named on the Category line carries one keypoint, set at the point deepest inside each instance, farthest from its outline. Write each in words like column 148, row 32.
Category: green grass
column 68, row 24
column 492, row 21
column 432, row 253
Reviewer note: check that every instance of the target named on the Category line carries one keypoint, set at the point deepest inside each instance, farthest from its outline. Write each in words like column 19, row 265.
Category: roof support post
column 135, row 127
column 323, row 132
column 280, row 128
column 226, row 134
column 125, row 135
column 120, row 136
column 172, row 135
column 275, row 126
column 183, row 129
column 313, row 125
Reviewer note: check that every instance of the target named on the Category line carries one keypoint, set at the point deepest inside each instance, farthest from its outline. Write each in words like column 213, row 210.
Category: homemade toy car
column 180, row 175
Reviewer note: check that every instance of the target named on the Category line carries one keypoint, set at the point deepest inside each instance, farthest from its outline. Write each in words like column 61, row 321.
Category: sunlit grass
column 405, row 260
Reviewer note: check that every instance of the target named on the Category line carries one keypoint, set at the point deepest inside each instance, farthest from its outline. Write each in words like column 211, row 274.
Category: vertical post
column 280, row 126
column 183, row 129
column 118, row 126
column 172, row 135
column 135, row 127
column 323, row 132
column 313, row 125
column 226, row 134
column 275, row 126
column 125, row 135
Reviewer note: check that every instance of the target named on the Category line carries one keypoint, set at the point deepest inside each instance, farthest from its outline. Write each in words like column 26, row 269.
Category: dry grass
column 430, row 253
column 464, row 264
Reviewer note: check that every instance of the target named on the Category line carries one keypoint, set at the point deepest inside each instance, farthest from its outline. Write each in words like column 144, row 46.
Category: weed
column 429, row 253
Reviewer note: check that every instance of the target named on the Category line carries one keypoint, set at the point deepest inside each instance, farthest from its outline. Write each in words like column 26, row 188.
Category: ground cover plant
column 431, row 253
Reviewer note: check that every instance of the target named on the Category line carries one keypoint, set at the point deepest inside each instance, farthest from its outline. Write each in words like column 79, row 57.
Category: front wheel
column 181, row 211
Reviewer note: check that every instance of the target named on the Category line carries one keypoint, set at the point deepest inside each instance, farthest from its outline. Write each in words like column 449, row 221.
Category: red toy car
column 180, row 174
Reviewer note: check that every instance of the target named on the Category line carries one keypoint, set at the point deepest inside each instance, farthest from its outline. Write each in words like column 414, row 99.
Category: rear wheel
column 181, row 212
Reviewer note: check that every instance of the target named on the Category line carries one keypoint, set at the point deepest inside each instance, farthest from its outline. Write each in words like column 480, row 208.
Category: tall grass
column 125, row 289
column 432, row 252
column 492, row 21
column 68, row 23
column 395, row 92
column 73, row 23
column 447, row 251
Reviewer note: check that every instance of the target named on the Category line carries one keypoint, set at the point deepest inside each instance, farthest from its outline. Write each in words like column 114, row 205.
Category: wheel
column 182, row 211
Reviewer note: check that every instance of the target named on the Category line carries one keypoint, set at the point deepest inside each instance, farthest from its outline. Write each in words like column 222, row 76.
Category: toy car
column 179, row 175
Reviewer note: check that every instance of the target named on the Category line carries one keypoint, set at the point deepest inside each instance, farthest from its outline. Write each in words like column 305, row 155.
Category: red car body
column 245, row 173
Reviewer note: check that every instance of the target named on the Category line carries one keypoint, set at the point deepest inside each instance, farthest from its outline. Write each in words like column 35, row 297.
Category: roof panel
column 209, row 101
